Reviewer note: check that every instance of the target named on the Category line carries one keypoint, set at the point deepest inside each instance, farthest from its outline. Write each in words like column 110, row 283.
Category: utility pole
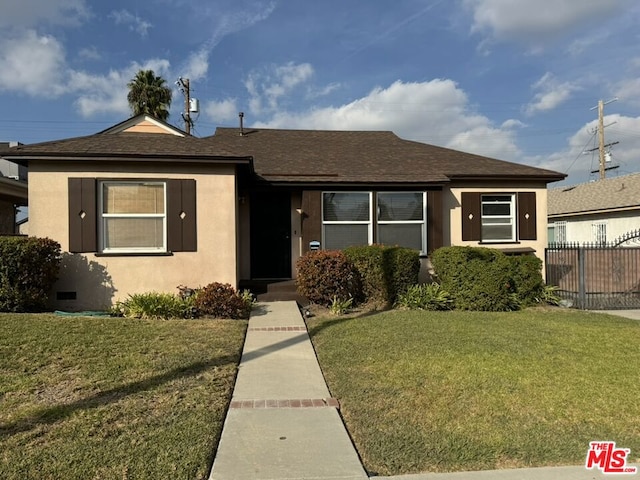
column 183, row 85
column 601, row 145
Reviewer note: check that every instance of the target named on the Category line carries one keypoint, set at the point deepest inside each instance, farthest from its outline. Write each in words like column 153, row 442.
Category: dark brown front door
column 270, row 235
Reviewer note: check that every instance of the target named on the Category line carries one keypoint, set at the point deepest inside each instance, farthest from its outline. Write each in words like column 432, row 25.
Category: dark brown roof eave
column 350, row 184
column 542, row 178
column 22, row 160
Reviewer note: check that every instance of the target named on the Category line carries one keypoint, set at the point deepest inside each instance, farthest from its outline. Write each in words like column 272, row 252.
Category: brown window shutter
column 471, row 216
column 527, row 216
column 311, row 218
column 181, row 215
column 82, row 215
column 435, row 220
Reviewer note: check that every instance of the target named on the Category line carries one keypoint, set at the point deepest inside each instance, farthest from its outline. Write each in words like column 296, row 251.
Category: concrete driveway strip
column 282, row 423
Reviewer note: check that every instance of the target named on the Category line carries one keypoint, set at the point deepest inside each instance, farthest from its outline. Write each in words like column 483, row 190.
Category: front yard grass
column 90, row 398
column 459, row 391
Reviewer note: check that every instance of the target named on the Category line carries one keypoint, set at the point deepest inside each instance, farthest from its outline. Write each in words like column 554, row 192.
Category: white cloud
column 536, row 20
column 89, row 53
column 436, row 112
column 28, row 13
column 197, row 65
column 223, row 111
column 551, row 93
column 267, row 88
column 135, row 23
column 32, row 64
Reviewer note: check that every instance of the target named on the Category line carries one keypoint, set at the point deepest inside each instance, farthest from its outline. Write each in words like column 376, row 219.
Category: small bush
column 549, row 295
column 374, row 270
column 220, row 300
column 426, row 296
column 155, row 306
column 527, row 277
column 324, row 275
column 385, row 272
column 28, row 269
column 477, row 278
column 405, row 269
column 340, row 307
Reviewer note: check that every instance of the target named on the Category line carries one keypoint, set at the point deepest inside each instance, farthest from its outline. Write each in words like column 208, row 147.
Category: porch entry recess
column 270, row 223
column 595, row 277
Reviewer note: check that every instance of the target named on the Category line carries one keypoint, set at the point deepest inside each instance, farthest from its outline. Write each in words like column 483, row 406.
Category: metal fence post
column 582, row 294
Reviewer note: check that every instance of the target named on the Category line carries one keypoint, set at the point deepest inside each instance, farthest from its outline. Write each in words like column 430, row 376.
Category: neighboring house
column 597, row 212
column 13, row 190
column 144, row 207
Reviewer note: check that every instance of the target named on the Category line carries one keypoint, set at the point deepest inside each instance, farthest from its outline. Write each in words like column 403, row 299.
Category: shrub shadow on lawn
column 59, row 412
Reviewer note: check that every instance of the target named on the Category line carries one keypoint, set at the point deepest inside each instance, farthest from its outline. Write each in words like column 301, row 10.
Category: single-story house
column 142, row 206
column 13, row 191
column 596, row 212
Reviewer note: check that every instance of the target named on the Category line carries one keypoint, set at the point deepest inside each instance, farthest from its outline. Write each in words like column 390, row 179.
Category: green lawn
column 454, row 391
column 113, row 398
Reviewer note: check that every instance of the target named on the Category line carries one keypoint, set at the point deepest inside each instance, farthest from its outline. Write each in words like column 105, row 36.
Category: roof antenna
column 241, row 115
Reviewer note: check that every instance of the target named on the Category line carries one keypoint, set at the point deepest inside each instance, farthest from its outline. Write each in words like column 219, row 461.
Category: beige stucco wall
column 452, row 204
column 100, row 281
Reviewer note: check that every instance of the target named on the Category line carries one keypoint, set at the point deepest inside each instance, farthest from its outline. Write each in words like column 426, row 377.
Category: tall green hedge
column 28, row 269
column 385, row 272
column 486, row 279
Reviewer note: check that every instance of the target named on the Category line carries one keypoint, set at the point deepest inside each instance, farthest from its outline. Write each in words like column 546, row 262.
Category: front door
column 270, row 235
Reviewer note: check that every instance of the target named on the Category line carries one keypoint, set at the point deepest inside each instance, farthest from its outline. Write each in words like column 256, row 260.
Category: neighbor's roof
column 293, row 156
column 611, row 194
column 326, row 156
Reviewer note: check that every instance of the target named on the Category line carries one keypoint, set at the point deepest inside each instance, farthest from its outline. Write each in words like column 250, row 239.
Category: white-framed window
column 346, row 219
column 599, row 232
column 498, row 218
column 402, row 219
column 133, row 216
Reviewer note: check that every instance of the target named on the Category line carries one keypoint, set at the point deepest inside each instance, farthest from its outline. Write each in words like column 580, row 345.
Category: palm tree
column 149, row 94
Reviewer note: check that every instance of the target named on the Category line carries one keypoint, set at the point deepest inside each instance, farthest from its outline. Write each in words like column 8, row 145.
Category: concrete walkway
column 282, row 423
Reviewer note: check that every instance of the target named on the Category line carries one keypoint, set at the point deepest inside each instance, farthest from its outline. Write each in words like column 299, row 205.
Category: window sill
column 134, row 254
column 498, row 242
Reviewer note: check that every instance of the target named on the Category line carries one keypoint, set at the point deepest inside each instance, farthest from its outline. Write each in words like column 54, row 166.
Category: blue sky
column 511, row 79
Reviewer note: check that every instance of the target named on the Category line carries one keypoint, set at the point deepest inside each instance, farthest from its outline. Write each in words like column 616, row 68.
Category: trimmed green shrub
column 220, row 300
column 385, row 272
column 28, row 269
column 405, row 269
column 324, row 275
column 155, row 306
column 372, row 263
column 527, row 277
column 477, row 278
column 425, row 296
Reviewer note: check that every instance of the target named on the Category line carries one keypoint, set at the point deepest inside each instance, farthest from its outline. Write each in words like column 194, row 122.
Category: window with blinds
column 401, row 219
column 498, row 218
column 133, row 217
column 346, row 219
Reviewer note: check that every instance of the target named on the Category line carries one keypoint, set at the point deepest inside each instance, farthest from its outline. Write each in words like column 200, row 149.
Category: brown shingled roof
column 295, row 156
column 362, row 156
column 616, row 193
